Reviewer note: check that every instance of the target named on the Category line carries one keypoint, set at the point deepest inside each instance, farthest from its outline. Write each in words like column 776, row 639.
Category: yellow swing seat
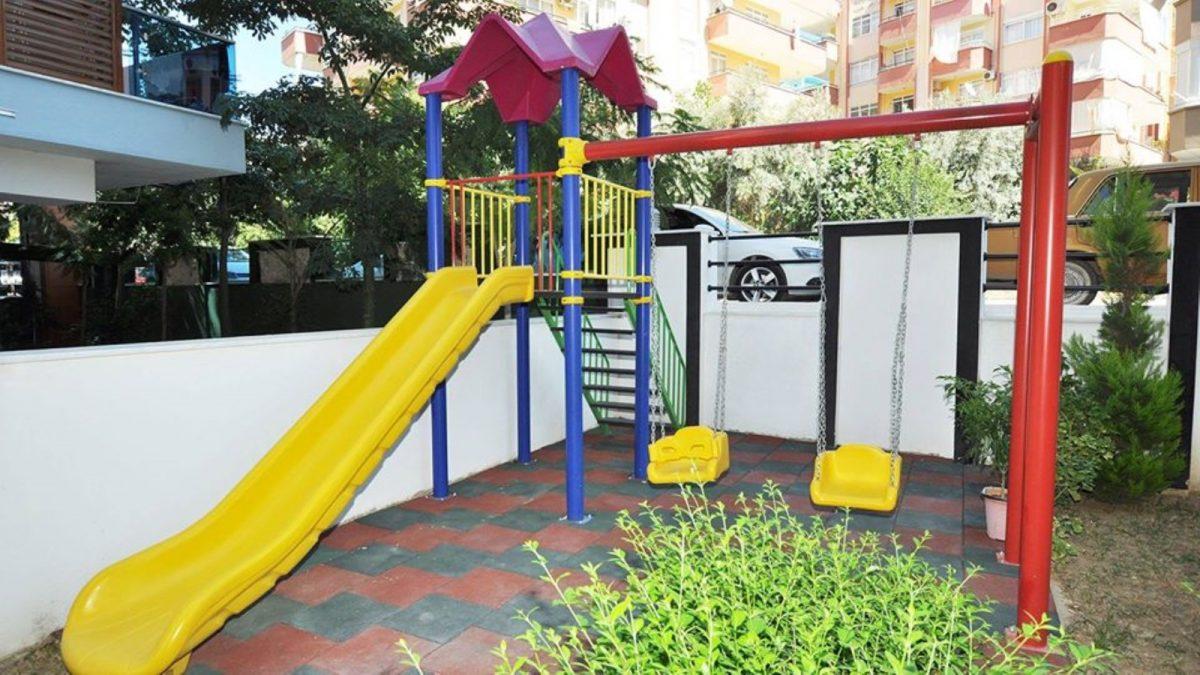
column 690, row 455
column 856, row 476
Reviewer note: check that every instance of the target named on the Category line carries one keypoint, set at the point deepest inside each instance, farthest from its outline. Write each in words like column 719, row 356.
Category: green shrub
column 983, row 409
column 761, row 591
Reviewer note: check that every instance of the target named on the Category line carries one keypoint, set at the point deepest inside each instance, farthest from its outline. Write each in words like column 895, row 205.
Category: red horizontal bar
column 501, row 178
column 898, row 124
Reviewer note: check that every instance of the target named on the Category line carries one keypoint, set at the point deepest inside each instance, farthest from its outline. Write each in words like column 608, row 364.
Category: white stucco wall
column 107, row 450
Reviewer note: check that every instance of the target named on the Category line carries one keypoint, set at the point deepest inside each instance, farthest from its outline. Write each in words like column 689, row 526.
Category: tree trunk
column 368, row 263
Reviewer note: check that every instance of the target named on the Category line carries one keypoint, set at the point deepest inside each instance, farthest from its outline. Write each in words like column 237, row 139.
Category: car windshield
column 718, row 218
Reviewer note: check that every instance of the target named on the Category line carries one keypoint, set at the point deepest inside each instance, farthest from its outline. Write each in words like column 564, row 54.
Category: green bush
column 983, row 409
column 761, row 591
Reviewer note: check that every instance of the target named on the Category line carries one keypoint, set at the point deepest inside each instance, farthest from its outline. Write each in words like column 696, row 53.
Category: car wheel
column 1080, row 273
column 759, row 281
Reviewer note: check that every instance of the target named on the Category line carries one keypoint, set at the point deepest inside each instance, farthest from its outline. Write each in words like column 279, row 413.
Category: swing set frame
column 1045, row 117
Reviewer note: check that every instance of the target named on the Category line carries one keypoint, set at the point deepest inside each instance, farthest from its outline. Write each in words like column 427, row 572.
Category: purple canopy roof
column 521, row 64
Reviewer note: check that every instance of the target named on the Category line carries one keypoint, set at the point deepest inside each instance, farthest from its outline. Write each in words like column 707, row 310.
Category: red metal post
column 1020, row 368
column 1045, row 339
column 900, row 124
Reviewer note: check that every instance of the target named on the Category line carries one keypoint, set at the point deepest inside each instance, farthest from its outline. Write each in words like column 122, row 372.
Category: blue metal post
column 436, row 259
column 642, row 374
column 521, row 162
column 572, row 225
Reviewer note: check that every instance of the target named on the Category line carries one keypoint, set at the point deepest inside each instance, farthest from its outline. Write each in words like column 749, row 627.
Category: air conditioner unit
column 1055, row 7
column 989, row 75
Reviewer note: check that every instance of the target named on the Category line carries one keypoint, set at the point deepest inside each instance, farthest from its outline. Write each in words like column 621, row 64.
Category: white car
column 762, row 267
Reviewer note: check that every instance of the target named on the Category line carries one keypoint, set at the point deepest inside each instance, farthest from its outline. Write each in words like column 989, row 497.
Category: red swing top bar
column 899, row 124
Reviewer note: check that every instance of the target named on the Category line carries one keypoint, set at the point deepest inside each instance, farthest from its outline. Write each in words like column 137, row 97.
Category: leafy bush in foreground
column 762, row 591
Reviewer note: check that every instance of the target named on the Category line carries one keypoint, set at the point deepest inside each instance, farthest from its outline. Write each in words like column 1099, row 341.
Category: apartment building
column 902, row 55
column 785, row 47
column 1184, row 137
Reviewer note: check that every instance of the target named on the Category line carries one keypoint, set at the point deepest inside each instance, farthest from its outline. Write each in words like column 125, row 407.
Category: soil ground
column 1134, row 584
column 43, row 659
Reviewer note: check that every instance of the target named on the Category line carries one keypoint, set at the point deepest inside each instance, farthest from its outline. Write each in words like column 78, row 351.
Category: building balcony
column 960, row 9
column 94, row 98
column 971, row 61
column 895, row 78
column 1082, row 29
column 897, row 28
column 796, row 54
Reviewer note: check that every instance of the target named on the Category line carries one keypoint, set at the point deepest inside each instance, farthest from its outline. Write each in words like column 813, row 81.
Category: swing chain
column 723, row 345
column 898, row 346
column 822, row 432
column 657, row 405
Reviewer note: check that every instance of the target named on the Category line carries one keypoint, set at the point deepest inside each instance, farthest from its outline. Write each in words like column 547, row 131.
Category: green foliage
column 1065, row 527
column 762, row 591
column 983, row 411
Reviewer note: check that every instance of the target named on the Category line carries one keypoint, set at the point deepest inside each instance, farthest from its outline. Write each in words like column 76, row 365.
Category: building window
column 757, row 15
column 862, row 71
column 537, row 5
column 865, row 110
column 1019, row 82
column 971, row 38
column 902, row 8
column 1027, row 28
column 862, row 24
column 903, row 57
column 716, row 63
column 594, row 13
column 902, row 104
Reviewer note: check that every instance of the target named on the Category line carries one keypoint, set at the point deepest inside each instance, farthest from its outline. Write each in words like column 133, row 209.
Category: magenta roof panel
column 520, row 65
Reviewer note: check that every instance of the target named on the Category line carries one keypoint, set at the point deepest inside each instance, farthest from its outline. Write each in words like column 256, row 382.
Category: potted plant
column 982, row 408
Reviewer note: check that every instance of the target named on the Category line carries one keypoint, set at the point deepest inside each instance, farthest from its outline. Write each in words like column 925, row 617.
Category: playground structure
column 479, row 229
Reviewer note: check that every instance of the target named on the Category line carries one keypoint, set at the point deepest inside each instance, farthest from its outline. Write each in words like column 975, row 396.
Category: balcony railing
column 897, row 77
column 796, row 53
column 169, row 62
column 894, row 28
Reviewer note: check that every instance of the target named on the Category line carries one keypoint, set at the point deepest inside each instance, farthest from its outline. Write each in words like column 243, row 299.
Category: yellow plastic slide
column 145, row 614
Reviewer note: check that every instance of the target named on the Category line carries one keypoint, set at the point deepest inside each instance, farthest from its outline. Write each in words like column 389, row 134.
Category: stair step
column 616, row 389
column 615, row 421
column 609, row 352
column 609, row 405
column 610, row 371
column 602, row 331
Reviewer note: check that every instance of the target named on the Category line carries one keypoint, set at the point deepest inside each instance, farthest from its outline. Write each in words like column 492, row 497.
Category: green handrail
column 668, row 365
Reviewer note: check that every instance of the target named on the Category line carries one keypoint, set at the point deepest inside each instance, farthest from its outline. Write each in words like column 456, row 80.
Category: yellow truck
column 1174, row 182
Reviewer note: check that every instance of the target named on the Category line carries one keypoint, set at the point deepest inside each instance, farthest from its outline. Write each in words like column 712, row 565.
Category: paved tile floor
column 451, row 576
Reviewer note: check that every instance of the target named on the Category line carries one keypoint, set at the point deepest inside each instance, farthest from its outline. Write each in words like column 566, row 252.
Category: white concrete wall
column 107, row 450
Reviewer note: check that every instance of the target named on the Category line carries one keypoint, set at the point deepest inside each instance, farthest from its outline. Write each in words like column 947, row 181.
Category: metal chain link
column 898, row 345
column 723, row 344
column 822, row 432
column 657, row 405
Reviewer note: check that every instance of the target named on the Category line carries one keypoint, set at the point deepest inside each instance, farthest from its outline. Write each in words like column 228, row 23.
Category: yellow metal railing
column 481, row 227
column 608, row 230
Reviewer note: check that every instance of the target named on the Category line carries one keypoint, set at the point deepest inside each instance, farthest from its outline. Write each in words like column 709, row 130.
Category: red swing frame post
column 1038, row 330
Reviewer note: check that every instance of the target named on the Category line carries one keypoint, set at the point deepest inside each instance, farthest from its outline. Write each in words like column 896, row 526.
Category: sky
column 259, row 65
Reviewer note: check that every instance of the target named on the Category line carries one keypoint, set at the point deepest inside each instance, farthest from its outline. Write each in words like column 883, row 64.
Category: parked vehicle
column 1173, row 183
column 759, row 273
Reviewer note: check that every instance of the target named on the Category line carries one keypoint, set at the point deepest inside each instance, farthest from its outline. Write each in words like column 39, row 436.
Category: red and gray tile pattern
column 451, row 577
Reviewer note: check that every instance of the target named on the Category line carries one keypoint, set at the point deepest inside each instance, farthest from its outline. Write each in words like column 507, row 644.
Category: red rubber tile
column 977, row 536
column 942, row 507
column 431, row 505
column 486, row 586
column 937, row 542
column 279, row 649
column 318, row 584
column 422, row 537
column 401, row 586
column 564, row 537
column 996, row 587
column 779, row 478
column 492, row 504
column 214, row 650
column 548, row 502
column 371, row 651
column 470, row 652
column 616, row 502
column 493, row 538
column 353, row 535
column 607, row 476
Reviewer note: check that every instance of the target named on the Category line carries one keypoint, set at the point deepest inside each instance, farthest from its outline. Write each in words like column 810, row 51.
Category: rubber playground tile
column 471, row 652
column 371, row 651
column 600, row 556
column 508, row 619
column 422, row 537
column 196, row 668
column 933, row 522
column 279, row 649
column 973, row 518
column 487, row 587
column 393, row 518
column 565, row 537
column 933, row 478
column 492, row 538
column 457, row 518
column 348, row 536
column 342, row 616
column 373, row 559
column 316, row 585
column 212, row 650
column 270, row 610
column 520, row 489
column 977, row 537
column 520, row 561
column 528, row 520
column 319, row 555
column 448, row 560
column 943, row 564
column 945, row 543
column 401, row 586
column 862, row 521
column 494, row 503
column 993, row 587
column 437, row 617
column 913, row 487
column 985, row 559
column 935, row 505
